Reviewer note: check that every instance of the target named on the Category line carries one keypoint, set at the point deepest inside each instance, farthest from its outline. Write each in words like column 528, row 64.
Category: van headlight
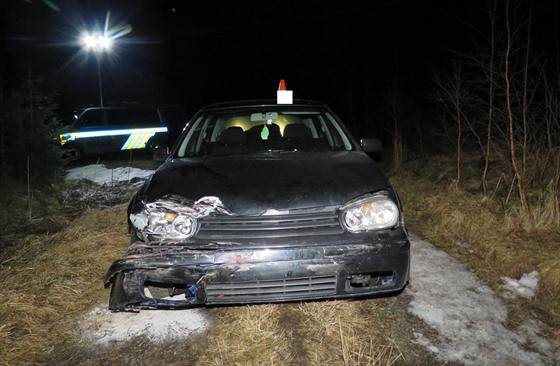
column 373, row 212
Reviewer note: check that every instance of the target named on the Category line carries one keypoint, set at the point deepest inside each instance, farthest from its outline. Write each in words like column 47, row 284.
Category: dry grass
column 51, row 280
column 492, row 238
column 313, row 333
column 347, row 338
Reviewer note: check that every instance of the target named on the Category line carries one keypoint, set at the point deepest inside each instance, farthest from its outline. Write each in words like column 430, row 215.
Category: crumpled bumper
column 189, row 278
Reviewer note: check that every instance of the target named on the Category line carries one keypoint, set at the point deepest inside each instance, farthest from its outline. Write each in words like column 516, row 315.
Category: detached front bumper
column 189, row 278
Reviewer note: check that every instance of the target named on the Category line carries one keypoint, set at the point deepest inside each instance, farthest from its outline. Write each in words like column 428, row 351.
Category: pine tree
column 28, row 153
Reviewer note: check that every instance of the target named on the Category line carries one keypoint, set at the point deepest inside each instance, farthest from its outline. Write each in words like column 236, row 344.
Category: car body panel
column 270, row 181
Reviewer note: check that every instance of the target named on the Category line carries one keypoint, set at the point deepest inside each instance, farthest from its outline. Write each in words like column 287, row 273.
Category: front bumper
column 183, row 278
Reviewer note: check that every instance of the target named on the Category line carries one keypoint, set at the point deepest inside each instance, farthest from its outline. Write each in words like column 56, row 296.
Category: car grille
column 269, row 226
column 260, row 291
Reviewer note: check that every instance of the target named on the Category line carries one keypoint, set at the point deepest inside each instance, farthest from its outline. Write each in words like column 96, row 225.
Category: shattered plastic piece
column 192, row 290
column 207, row 205
column 201, row 208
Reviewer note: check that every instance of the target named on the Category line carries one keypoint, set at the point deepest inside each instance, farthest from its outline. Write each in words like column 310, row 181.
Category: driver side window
column 91, row 118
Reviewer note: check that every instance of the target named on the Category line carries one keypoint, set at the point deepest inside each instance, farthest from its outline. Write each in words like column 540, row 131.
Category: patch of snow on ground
column 468, row 316
column 524, row 287
column 102, row 327
column 98, row 173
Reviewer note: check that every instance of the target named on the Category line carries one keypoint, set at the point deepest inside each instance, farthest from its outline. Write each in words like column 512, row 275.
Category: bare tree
column 454, row 95
column 518, row 166
column 489, row 124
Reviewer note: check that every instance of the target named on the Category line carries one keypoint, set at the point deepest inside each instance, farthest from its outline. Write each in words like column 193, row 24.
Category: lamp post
column 98, row 43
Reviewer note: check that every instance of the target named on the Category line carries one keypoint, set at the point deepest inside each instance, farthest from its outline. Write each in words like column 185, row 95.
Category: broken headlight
column 165, row 224
column 171, row 225
column 374, row 212
column 175, row 218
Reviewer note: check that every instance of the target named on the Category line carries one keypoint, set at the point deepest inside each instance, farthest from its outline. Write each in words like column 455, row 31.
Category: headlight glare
column 375, row 212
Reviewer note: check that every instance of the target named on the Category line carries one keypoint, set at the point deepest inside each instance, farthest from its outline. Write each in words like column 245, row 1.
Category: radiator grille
column 276, row 226
column 287, row 289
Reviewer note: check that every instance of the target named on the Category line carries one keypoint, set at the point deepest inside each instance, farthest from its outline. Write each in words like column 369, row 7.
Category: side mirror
column 160, row 152
column 371, row 145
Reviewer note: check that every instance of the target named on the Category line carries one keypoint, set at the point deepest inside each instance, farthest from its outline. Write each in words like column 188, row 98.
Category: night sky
column 195, row 52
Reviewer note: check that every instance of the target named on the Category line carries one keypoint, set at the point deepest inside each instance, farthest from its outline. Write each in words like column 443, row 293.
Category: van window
column 91, row 118
column 144, row 117
column 133, row 117
column 118, row 117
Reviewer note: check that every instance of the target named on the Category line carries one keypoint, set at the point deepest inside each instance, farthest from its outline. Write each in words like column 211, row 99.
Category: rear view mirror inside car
column 256, row 117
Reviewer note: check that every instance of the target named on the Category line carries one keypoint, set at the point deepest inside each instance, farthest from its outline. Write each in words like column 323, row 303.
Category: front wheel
column 72, row 153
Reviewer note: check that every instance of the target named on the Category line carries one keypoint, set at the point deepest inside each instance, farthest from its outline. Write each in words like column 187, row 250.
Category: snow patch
column 99, row 174
column 468, row 316
column 525, row 287
column 101, row 326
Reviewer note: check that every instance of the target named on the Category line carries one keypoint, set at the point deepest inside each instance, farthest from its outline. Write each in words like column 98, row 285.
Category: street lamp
column 98, row 43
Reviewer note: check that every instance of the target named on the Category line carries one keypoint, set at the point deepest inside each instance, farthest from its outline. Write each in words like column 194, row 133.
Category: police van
column 103, row 130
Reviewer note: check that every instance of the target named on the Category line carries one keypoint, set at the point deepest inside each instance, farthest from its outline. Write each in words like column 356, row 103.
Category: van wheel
column 72, row 153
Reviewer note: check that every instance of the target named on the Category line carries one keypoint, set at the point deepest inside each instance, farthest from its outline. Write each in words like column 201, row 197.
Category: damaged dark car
column 262, row 202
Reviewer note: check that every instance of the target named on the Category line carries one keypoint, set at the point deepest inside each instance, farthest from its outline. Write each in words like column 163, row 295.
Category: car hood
column 253, row 184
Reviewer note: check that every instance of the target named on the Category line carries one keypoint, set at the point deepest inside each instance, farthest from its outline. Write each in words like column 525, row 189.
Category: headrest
column 296, row 130
column 232, row 135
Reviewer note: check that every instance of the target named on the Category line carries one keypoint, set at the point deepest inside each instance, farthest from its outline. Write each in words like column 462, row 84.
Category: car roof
column 262, row 103
column 129, row 107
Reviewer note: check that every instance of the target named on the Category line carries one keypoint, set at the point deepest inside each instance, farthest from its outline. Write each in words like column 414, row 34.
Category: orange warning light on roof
column 284, row 96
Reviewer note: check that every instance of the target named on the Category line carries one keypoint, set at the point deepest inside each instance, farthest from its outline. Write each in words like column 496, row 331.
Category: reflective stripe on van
column 137, row 139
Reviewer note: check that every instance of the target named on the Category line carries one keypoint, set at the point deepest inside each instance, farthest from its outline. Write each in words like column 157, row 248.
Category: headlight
column 371, row 213
column 172, row 218
column 62, row 139
column 170, row 225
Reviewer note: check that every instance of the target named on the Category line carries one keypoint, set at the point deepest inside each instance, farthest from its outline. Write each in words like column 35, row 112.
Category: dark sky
column 193, row 52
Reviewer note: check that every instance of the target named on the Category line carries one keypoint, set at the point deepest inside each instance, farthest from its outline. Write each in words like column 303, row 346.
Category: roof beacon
column 284, row 96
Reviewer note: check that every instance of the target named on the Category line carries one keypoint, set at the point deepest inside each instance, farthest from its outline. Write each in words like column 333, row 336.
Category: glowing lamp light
column 284, row 96
column 97, row 43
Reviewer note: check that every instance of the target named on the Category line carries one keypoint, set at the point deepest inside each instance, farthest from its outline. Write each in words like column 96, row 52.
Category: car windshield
column 263, row 129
